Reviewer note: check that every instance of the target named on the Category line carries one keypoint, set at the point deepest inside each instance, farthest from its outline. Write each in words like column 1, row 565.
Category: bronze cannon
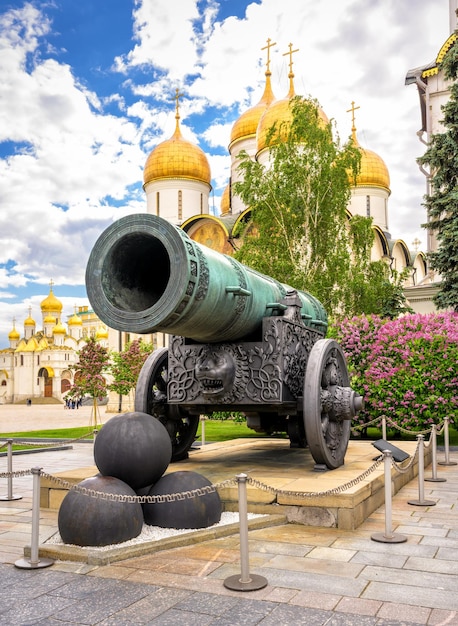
column 240, row 341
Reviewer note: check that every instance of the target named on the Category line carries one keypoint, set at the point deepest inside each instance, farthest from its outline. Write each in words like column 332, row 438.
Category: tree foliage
column 442, row 203
column 89, row 379
column 404, row 368
column 300, row 232
column 126, row 366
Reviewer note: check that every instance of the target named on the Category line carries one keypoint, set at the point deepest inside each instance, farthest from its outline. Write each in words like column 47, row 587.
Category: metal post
column 244, row 581
column 384, row 428
column 35, row 562
column 433, row 443
column 388, row 536
column 9, row 495
column 447, row 445
column 421, row 476
column 202, row 429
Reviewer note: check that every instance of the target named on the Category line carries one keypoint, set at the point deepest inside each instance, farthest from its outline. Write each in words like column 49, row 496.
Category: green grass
column 215, row 430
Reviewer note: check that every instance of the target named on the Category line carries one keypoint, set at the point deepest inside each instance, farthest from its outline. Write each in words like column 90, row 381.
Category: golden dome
column 373, row 171
column 177, row 158
column 59, row 329
column 51, row 303
column 49, row 319
column 102, row 332
column 225, row 200
column 279, row 114
column 247, row 123
column 75, row 320
column 29, row 321
column 14, row 335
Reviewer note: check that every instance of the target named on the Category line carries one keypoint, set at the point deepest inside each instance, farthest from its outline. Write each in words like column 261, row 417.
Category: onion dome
column 75, row 320
column 177, row 158
column 49, row 319
column 247, row 123
column 59, row 329
column 13, row 335
column 51, row 303
column 29, row 321
column 279, row 114
column 373, row 171
column 102, row 333
column 226, row 200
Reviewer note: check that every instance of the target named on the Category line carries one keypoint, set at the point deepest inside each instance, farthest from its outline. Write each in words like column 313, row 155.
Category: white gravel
column 155, row 533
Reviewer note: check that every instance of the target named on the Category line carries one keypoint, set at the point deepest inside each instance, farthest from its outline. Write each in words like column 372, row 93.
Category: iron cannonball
column 85, row 520
column 196, row 512
column 134, row 447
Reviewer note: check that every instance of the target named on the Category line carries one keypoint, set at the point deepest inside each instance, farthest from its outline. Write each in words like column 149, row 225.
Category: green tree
column 441, row 157
column 88, row 374
column 126, row 366
column 299, row 231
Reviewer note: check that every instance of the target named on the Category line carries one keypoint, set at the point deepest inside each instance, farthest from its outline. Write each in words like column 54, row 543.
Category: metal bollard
column 434, row 478
column 244, row 581
column 388, row 536
column 421, row 476
column 384, row 428
column 447, row 445
column 10, row 474
column 35, row 562
column 202, row 429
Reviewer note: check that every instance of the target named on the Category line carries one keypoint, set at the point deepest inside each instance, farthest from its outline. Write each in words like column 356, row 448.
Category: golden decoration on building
column 177, row 158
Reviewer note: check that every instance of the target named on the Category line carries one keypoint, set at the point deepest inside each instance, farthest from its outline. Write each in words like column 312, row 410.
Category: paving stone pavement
column 316, row 576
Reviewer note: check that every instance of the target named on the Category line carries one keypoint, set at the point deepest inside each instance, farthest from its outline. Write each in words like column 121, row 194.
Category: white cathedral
column 177, row 183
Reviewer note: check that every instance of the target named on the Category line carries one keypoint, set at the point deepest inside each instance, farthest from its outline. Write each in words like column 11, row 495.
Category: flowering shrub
column 406, row 369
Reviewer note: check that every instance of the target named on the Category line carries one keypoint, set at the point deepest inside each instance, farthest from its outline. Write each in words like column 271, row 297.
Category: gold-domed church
column 38, row 362
column 177, row 180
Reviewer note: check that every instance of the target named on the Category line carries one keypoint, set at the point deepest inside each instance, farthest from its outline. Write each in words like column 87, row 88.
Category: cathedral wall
column 249, row 145
column 376, row 206
column 177, row 200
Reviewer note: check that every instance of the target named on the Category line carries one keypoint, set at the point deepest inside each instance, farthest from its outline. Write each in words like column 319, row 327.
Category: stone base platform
column 290, row 472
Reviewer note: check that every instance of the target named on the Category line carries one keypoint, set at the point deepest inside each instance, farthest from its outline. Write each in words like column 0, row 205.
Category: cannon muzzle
column 146, row 275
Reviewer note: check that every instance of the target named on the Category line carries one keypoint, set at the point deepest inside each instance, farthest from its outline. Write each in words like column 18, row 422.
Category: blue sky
column 86, row 92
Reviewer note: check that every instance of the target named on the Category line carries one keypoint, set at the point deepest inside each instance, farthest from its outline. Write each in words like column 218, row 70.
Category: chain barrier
column 365, row 425
column 169, row 497
column 18, row 474
column 405, row 468
column 37, row 444
column 317, row 494
column 397, row 427
column 201, row 491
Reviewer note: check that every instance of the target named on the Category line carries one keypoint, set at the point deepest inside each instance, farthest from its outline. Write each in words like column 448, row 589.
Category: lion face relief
column 215, row 371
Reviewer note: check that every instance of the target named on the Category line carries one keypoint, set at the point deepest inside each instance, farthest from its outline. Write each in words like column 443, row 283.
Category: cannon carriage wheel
column 151, row 398
column 326, row 432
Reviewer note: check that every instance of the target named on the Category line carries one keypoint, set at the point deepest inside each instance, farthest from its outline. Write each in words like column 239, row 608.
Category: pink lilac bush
column 406, row 369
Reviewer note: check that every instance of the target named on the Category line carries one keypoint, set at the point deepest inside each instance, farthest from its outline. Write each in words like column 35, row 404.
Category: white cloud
column 74, row 167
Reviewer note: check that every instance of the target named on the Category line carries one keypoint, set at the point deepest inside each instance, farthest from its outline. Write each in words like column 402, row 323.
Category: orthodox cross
column 177, row 97
column 290, row 53
column 416, row 244
column 51, row 284
column 268, row 47
column 352, row 110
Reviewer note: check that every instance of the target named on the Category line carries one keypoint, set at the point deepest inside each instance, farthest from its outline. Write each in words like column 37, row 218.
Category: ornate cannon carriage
column 240, row 341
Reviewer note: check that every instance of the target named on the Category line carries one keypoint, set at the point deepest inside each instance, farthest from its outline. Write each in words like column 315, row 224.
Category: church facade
column 177, row 183
column 38, row 361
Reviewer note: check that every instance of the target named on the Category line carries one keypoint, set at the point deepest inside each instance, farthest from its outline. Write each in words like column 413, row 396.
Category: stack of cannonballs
column 132, row 452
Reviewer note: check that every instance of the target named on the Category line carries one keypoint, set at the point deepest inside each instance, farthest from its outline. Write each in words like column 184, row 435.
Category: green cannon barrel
column 146, row 275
